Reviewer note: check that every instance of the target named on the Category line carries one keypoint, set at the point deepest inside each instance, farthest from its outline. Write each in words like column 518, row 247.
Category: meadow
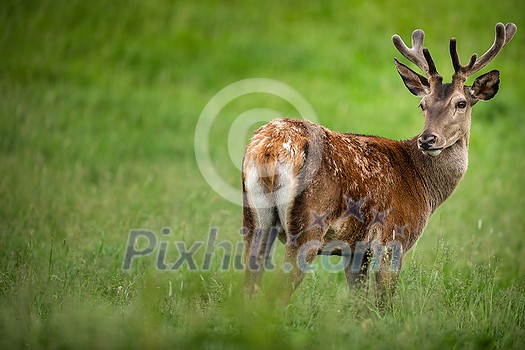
column 99, row 105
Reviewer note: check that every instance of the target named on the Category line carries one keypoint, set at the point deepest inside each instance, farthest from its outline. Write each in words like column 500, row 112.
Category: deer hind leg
column 305, row 230
column 261, row 226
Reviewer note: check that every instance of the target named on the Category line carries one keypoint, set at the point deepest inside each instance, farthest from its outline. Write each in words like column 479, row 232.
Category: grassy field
column 98, row 110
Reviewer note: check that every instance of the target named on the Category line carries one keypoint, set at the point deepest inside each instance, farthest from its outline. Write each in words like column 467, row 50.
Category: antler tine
column 418, row 54
column 415, row 54
column 503, row 35
column 510, row 30
column 458, row 68
column 431, row 65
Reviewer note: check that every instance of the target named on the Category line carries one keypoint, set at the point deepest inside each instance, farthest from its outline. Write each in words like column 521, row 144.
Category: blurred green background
column 99, row 104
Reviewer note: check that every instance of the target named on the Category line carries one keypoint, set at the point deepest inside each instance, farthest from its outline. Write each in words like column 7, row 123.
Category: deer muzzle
column 427, row 144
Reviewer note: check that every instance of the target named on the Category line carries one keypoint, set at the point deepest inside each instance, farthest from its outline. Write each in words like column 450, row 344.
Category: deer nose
column 426, row 141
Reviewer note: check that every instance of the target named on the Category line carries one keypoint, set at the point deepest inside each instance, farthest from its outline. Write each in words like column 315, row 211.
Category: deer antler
column 418, row 55
column 503, row 35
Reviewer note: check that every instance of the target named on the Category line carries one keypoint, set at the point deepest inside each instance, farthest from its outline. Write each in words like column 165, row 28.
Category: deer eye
column 461, row 104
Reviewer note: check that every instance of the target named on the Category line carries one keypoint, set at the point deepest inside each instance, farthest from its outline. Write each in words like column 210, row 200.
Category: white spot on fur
column 285, row 192
column 258, row 199
column 264, row 202
column 433, row 153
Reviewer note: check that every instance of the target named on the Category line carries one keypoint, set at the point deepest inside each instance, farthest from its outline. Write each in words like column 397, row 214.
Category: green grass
column 98, row 108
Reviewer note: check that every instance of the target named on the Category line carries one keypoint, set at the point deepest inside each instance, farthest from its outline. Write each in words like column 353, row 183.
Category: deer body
column 315, row 187
column 391, row 177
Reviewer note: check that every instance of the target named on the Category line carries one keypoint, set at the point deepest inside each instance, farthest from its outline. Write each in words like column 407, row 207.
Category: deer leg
column 356, row 271
column 260, row 229
column 385, row 279
column 385, row 283
column 301, row 251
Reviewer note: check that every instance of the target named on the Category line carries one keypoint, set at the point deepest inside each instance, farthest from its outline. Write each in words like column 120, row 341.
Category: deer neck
column 440, row 175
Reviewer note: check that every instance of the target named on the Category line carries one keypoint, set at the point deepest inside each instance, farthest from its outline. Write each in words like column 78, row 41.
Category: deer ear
column 485, row 86
column 416, row 84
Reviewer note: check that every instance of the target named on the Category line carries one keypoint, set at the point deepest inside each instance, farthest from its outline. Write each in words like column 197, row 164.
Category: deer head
column 447, row 107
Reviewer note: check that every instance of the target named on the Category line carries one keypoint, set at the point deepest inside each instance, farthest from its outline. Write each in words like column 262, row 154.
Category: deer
column 365, row 198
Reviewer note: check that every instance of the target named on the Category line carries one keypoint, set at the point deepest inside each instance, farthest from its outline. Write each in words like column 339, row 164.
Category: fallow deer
column 311, row 186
